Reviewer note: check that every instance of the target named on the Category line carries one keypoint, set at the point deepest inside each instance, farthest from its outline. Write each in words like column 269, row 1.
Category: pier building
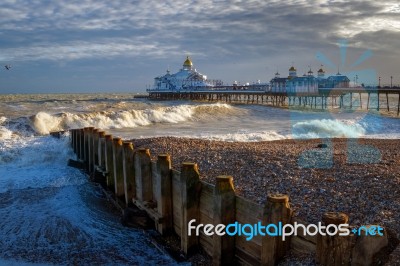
column 307, row 83
column 186, row 78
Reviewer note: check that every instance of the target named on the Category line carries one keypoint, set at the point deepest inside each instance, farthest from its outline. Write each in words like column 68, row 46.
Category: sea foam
column 326, row 128
column 36, row 162
column 43, row 123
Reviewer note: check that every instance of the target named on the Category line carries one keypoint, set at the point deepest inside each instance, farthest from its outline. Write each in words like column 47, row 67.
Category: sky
column 121, row 45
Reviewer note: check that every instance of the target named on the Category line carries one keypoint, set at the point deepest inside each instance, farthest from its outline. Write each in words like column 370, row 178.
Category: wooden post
column 368, row 101
column 144, row 183
column 95, row 155
column 86, row 146
column 100, row 150
column 164, row 205
column 73, row 139
column 367, row 246
column 77, row 139
column 90, row 149
column 78, row 144
column 129, row 172
column 334, row 250
column 190, row 189
column 118, row 167
column 109, row 163
column 224, row 213
column 276, row 210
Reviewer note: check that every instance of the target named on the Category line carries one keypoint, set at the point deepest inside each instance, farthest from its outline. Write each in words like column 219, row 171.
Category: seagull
column 8, row 67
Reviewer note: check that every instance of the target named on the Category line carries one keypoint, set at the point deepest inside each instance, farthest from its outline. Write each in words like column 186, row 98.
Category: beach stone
column 362, row 154
column 367, row 247
column 316, row 159
column 394, row 257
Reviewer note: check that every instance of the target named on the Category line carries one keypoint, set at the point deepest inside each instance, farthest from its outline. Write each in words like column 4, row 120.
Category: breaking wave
column 327, row 128
column 242, row 136
column 43, row 123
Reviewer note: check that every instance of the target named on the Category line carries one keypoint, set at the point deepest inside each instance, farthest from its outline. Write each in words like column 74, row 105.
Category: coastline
column 365, row 191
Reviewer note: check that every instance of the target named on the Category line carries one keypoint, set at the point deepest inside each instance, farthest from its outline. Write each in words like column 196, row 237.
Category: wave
column 43, row 123
column 327, row 128
column 5, row 133
column 243, row 137
column 37, row 161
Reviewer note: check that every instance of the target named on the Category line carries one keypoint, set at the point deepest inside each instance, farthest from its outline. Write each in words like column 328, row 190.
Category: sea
column 52, row 215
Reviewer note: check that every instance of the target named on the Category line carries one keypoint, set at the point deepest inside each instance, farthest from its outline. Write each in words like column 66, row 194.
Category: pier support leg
column 387, row 101
column 351, row 100
column 378, row 106
column 341, row 102
column 398, row 106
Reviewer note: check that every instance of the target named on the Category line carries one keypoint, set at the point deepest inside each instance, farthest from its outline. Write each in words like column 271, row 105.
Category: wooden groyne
column 324, row 99
column 174, row 197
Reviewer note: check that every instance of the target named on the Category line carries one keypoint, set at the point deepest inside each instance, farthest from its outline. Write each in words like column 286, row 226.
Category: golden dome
column 187, row 62
column 321, row 70
column 292, row 69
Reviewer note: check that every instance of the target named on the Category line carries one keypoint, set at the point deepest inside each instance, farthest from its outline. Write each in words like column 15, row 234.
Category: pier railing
column 174, row 197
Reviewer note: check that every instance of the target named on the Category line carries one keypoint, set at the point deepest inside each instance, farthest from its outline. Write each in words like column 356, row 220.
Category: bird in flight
column 8, row 67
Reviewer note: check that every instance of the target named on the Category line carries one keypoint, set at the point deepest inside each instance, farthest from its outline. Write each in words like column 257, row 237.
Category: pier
column 342, row 98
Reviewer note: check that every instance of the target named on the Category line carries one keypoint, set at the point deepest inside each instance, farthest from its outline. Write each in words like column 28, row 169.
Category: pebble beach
column 360, row 177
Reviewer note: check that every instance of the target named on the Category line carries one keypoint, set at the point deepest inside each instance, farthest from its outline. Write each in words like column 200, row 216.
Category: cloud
column 184, row 17
column 82, row 50
column 219, row 32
